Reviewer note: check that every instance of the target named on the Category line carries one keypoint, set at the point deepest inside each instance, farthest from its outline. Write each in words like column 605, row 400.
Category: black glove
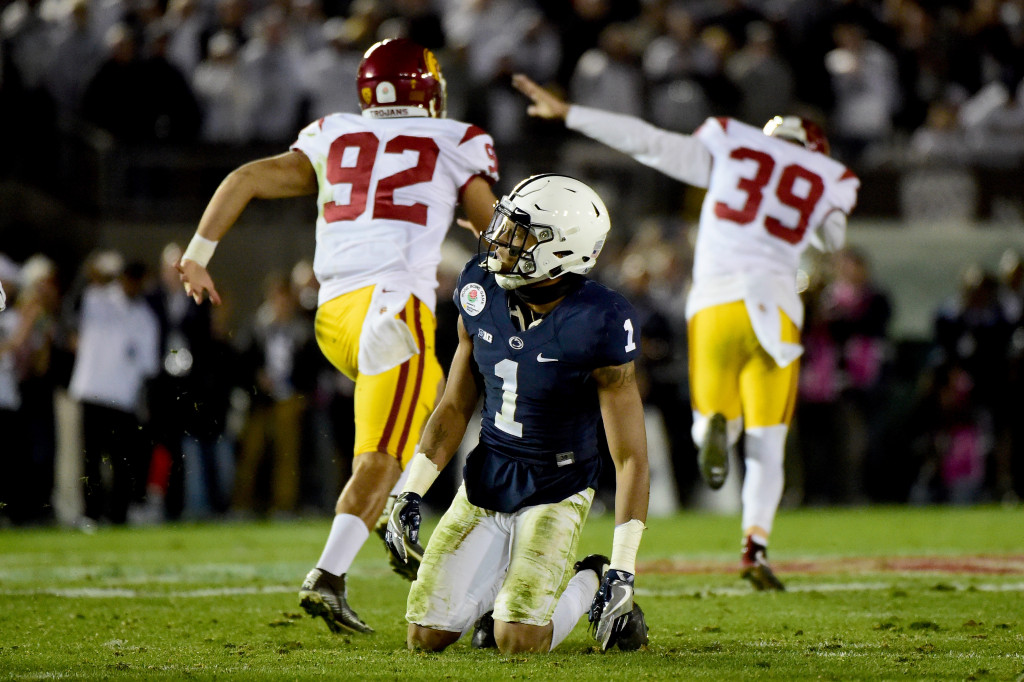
column 403, row 533
column 611, row 606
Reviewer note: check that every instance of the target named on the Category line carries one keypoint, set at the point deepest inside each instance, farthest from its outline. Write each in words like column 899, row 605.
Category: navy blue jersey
column 538, row 439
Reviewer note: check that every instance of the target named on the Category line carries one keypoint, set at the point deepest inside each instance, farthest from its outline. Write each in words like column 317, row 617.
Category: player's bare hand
column 468, row 225
column 197, row 281
column 545, row 104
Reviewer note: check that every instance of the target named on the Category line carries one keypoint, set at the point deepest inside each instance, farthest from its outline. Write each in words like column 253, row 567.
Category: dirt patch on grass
column 971, row 565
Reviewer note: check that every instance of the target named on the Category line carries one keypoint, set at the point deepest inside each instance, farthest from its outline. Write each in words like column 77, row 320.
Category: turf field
column 879, row 593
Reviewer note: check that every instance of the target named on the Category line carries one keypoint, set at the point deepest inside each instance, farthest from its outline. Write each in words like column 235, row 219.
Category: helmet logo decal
column 473, row 298
column 515, row 342
column 432, row 66
column 367, row 95
column 385, row 93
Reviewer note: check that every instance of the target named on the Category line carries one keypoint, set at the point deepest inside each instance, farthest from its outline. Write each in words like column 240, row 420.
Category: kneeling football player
column 552, row 353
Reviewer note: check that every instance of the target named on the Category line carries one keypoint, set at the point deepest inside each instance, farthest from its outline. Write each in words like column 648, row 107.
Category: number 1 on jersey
column 507, row 371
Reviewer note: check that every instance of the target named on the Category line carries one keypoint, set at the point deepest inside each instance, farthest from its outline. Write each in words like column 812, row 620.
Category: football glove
column 403, row 534
column 611, row 606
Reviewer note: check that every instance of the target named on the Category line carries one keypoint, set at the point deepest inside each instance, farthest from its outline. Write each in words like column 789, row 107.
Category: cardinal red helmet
column 399, row 78
column 800, row 130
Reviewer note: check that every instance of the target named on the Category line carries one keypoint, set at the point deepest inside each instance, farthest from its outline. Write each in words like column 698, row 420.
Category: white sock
column 348, row 533
column 762, row 486
column 573, row 603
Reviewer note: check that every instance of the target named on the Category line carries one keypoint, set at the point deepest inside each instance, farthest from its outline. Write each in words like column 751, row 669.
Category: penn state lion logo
column 473, row 299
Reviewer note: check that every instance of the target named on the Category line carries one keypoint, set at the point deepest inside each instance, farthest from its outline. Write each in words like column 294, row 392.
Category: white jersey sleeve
column 683, row 157
column 388, row 189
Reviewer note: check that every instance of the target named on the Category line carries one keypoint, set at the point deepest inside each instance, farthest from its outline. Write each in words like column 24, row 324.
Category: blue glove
column 611, row 606
column 403, row 533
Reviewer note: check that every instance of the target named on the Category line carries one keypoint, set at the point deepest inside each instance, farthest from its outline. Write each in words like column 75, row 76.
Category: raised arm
column 275, row 177
column 679, row 156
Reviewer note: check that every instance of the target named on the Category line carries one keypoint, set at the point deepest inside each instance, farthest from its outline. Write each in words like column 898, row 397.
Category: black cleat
column 483, row 633
column 633, row 634
column 415, row 552
column 323, row 596
column 598, row 563
column 756, row 568
column 713, row 456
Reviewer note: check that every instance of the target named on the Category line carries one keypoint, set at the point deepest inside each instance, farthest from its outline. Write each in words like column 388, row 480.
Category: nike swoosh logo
column 541, row 358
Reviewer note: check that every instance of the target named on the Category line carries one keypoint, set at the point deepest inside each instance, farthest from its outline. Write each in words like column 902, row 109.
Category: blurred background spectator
column 118, row 120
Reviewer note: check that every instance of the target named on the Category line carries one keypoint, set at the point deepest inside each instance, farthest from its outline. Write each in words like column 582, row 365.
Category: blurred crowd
column 894, row 79
column 218, row 417
column 123, row 401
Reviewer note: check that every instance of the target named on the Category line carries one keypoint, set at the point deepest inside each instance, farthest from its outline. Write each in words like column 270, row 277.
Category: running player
column 386, row 185
column 771, row 193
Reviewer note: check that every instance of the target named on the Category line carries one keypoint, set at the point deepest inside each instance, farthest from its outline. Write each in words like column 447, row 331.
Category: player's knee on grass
column 516, row 638
column 420, row 638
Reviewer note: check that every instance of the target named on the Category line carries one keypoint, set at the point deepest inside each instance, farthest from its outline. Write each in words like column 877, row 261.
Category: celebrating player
column 770, row 194
column 387, row 184
column 551, row 352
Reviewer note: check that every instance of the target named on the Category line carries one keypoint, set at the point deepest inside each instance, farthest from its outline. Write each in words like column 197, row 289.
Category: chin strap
column 539, row 294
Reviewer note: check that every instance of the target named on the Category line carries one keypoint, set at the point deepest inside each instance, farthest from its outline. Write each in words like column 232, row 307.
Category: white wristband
column 422, row 474
column 625, row 543
column 200, row 250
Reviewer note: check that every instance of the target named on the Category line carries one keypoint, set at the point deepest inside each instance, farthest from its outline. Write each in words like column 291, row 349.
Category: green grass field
column 879, row 594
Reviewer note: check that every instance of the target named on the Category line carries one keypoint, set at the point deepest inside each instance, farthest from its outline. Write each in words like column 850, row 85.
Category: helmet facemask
column 509, row 243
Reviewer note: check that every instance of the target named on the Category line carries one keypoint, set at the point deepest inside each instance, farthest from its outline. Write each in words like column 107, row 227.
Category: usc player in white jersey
column 387, row 184
column 771, row 193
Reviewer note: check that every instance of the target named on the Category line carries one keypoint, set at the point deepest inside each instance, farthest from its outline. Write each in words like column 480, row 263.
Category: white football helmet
column 550, row 224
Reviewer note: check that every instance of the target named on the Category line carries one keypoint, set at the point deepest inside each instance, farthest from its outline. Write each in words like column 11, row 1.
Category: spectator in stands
column 608, row 76
column 272, row 70
column 673, row 65
column 864, row 82
column 320, row 72
column 25, row 354
column 282, row 355
column 952, row 438
column 174, row 399
column 971, row 329
column 231, row 16
column 841, row 387
column 77, row 54
column 111, row 99
column 186, row 21
column 226, row 98
column 118, row 351
column 763, row 79
column 170, row 109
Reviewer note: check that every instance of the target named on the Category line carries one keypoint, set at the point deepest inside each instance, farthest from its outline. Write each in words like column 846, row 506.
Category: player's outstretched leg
column 756, row 569
column 323, row 595
column 713, row 456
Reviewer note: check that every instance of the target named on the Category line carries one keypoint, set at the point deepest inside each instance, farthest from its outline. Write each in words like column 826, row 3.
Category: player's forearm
column 632, row 488
column 443, row 434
